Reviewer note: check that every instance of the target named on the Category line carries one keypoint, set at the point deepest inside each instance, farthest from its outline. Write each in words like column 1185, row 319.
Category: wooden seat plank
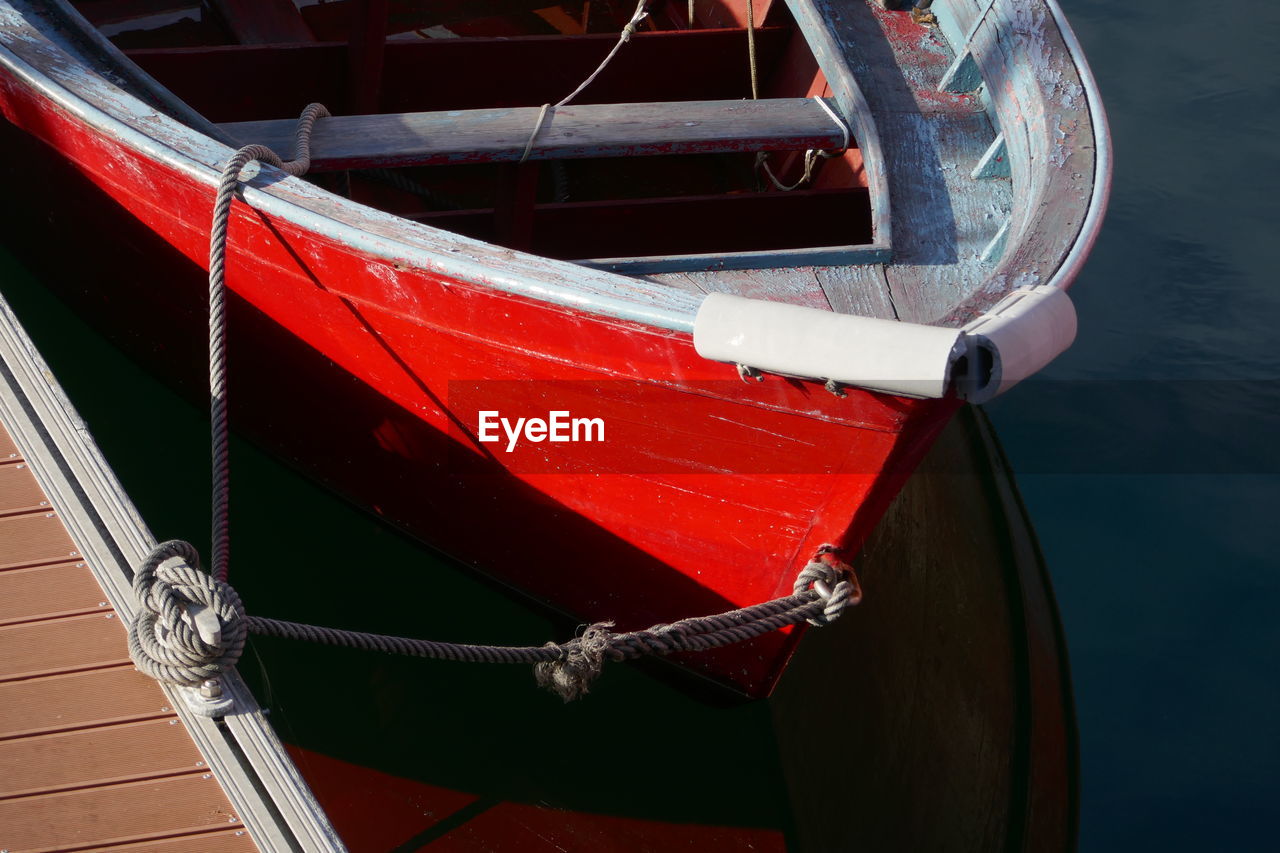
column 590, row 130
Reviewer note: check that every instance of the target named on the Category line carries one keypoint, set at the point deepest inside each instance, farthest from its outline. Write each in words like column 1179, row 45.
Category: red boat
column 637, row 351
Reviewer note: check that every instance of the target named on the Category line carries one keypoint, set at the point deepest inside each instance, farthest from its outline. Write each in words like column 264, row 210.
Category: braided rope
column 822, row 592
column 167, row 586
column 165, row 641
column 227, row 186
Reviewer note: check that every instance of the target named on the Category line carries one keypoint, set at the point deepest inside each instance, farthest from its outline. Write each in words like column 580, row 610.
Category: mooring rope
column 191, row 626
column 169, row 583
column 227, row 186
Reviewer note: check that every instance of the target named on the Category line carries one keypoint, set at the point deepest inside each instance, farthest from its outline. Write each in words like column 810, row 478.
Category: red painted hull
column 708, row 493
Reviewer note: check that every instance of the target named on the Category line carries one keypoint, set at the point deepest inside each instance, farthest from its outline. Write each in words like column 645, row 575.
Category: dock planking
column 92, row 753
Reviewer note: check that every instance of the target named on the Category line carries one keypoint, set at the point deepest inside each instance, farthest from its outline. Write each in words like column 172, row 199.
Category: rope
column 191, row 627
column 537, row 126
column 227, row 186
column 751, row 50
column 165, row 640
column 811, row 156
column 167, row 586
column 627, row 32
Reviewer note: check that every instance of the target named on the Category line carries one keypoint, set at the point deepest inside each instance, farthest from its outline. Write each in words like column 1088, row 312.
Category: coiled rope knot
column 578, row 664
column 569, row 669
column 189, row 627
column 833, row 581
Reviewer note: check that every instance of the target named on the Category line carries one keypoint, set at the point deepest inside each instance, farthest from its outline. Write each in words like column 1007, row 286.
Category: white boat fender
column 907, row 359
column 1017, row 337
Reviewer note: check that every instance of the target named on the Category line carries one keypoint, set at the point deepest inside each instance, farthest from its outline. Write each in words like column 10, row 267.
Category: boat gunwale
column 191, row 149
column 1029, row 213
column 121, row 115
column 127, row 119
column 1103, row 168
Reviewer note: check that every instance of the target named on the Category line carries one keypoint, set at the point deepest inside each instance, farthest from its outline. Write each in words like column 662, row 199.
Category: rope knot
column 834, row 582
column 630, row 29
column 580, row 661
column 189, row 627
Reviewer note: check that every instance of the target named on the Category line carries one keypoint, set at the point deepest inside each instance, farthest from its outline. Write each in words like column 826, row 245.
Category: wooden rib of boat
column 461, row 255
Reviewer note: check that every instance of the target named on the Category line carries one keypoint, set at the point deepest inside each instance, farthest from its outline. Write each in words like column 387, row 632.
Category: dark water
column 1146, row 456
column 1164, row 556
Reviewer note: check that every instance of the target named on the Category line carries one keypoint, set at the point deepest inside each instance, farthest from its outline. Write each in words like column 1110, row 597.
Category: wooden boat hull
column 368, row 349
column 713, row 496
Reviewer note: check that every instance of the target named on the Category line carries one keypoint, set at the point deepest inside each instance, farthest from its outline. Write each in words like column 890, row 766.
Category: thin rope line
column 537, row 126
column 218, row 413
column 810, row 157
column 627, row 31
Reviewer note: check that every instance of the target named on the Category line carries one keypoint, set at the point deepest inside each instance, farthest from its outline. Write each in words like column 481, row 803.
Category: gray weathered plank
column 795, row 286
column 1039, row 100
column 860, row 290
column 590, row 130
column 931, row 141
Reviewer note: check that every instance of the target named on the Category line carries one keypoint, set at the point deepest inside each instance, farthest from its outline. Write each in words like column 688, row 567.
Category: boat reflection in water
column 937, row 715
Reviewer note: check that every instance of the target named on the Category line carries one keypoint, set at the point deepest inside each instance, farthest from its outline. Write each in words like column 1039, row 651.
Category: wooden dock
column 93, row 754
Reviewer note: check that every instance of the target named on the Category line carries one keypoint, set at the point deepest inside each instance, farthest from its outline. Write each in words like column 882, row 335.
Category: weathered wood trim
column 1035, row 87
column 100, row 55
column 962, row 76
column 48, row 59
column 994, row 163
column 816, row 256
column 816, row 29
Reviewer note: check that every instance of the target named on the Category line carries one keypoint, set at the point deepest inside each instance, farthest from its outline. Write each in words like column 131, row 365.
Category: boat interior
column 700, row 138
